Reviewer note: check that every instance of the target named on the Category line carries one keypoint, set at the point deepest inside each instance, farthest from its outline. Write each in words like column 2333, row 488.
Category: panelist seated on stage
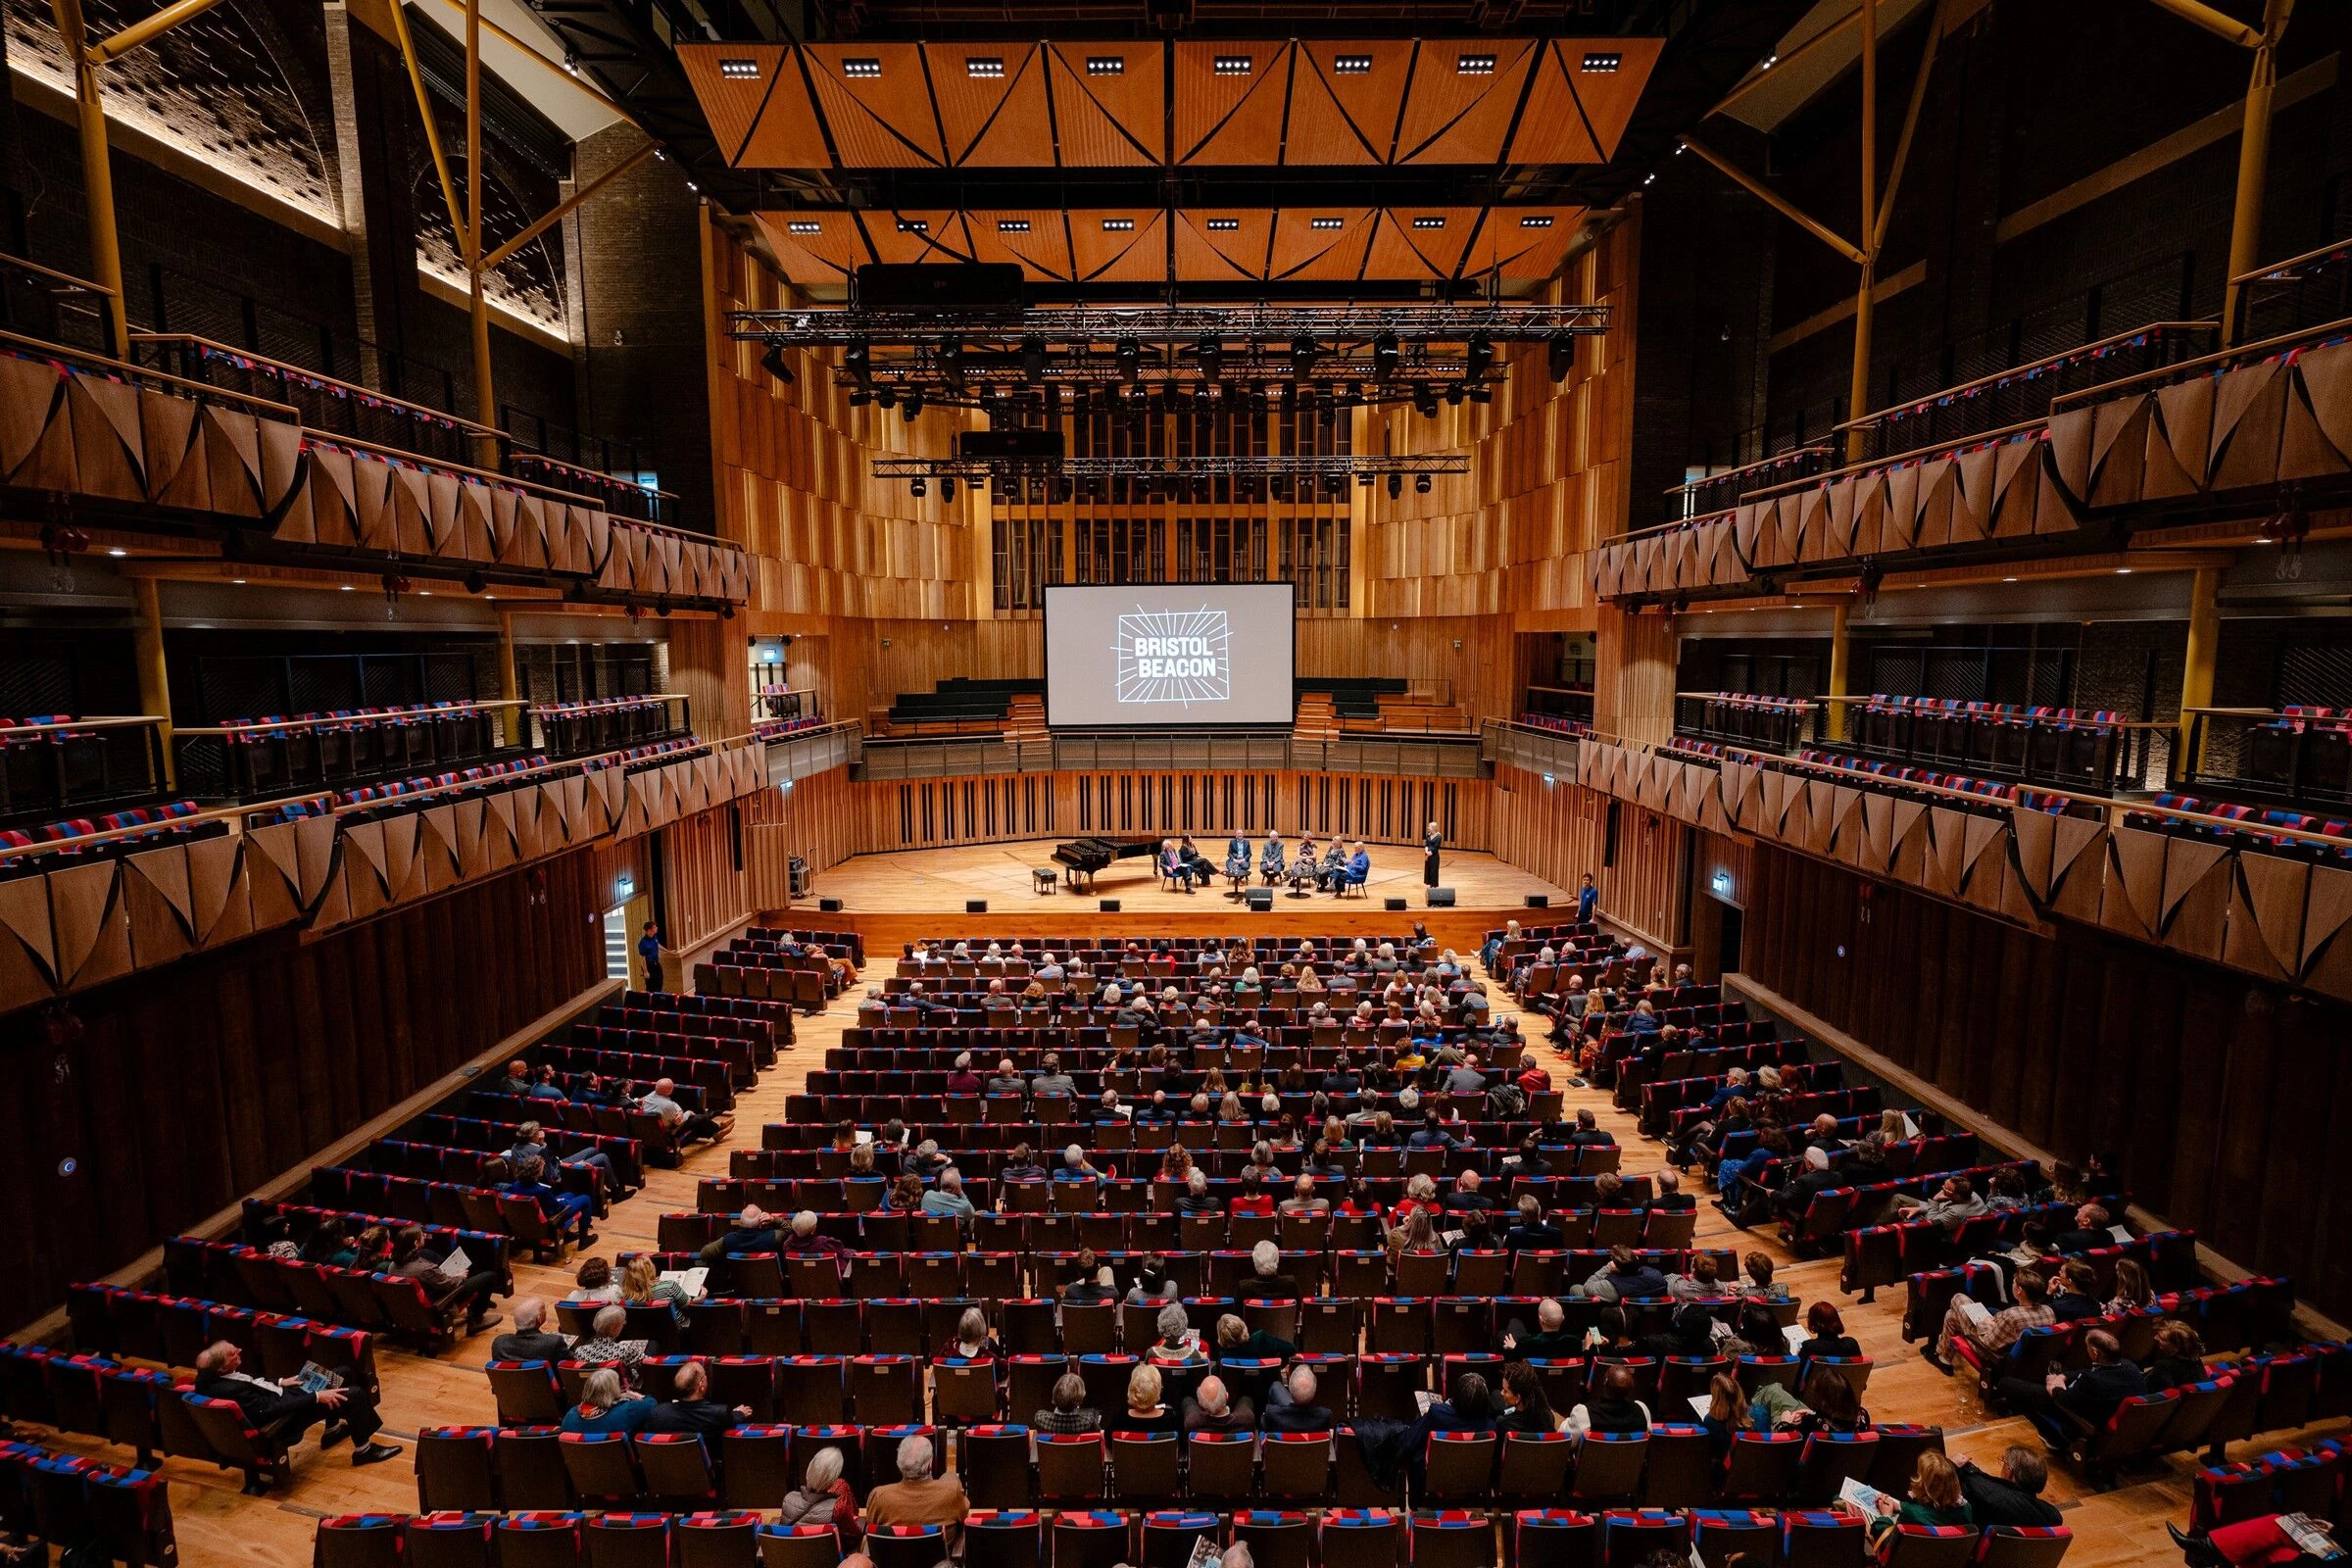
column 1270, row 861
column 1237, row 860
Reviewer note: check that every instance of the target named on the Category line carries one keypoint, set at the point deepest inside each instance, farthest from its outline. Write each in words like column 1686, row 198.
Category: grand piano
column 1081, row 859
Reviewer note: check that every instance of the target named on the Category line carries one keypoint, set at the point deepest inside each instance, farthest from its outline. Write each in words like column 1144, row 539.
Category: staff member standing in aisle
column 649, row 948
column 1432, row 842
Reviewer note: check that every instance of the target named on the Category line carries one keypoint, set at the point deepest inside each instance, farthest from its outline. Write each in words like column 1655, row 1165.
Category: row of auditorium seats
column 600, row 725
column 1103, row 1537
column 2063, row 746
column 116, row 1321
column 2252, row 835
column 272, row 754
column 55, row 845
column 2305, row 1480
column 68, row 1501
column 482, row 777
column 1922, row 1250
column 233, row 1273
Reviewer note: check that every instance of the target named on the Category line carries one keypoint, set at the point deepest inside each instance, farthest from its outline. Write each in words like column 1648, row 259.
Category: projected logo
column 1174, row 656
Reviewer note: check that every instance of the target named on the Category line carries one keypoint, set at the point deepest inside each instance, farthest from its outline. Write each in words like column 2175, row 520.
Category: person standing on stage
column 1431, row 842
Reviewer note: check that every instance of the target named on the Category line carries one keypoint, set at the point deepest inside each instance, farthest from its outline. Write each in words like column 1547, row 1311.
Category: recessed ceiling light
column 237, row 580
column 347, row 587
column 740, row 70
column 1106, row 64
column 1352, row 64
column 1233, row 64
column 1013, row 225
column 1535, row 221
column 805, row 225
column 1223, row 226
column 1428, row 223
column 986, row 66
column 2008, row 579
column 913, row 225
column 1474, row 65
column 1598, row 61
column 424, row 593
column 1327, row 222
column 1118, row 225
column 118, row 553
column 2123, row 571
column 863, row 66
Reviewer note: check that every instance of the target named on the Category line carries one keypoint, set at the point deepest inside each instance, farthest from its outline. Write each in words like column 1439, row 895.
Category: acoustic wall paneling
column 174, row 1093
column 818, row 819
column 705, row 887
column 1559, row 831
column 2223, row 1096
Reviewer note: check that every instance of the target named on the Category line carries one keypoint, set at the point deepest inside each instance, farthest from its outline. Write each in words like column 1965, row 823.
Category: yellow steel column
column 1841, row 670
column 2196, row 673
column 2253, row 162
column 517, row 722
column 1858, row 393
column 155, row 683
column 97, row 170
column 485, row 398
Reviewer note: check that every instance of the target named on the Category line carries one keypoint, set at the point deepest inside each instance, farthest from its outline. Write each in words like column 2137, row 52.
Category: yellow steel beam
column 2253, row 160
column 1833, row 31
column 1779, row 203
column 1902, row 142
column 578, row 84
column 490, row 263
column 2212, row 21
column 139, row 32
column 97, row 170
column 432, row 130
column 485, row 396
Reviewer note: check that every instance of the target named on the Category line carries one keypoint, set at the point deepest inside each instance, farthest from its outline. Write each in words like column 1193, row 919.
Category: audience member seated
column 283, row 1411
column 2029, row 1310
column 1290, row 1404
column 2180, row 1358
column 1826, row 1335
column 1934, row 1501
column 412, row 1260
column 920, row 1498
column 1611, row 1406
column 684, row 1126
column 604, row 1406
column 2011, row 1497
column 2066, row 1405
column 1211, row 1409
column 824, row 1498
column 531, row 1340
column 693, row 1410
column 1144, row 1413
column 1068, row 1415
column 606, row 1347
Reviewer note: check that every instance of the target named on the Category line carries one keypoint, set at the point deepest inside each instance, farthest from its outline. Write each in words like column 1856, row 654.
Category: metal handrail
column 2028, row 369
column 328, row 720
column 285, row 368
column 1733, row 476
column 2272, row 273
column 2241, row 353
column 67, row 726
column 595, row 704
column 38, row 349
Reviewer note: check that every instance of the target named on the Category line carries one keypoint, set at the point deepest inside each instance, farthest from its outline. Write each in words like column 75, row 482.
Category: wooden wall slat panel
column 1559, row 832
column 172, row 1093
column 2223, row 1099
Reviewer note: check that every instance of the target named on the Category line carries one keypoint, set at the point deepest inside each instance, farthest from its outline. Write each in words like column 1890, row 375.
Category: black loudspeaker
column 1110, row 905
column 975, row 905
column 1392, row 903
column 1441, row 897
column 829, row 906
column 1538, row 901
column 1261, row 900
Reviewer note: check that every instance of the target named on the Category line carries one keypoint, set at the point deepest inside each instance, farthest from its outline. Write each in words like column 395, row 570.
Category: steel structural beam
column 1359, row 464
column 1181, row 324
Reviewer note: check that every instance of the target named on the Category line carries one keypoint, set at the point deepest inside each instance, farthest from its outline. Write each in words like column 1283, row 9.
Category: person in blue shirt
column 1587, row 898
column 567, row 1211
column 604, row 1407
column 547, row 1087
column 1431, row 1134
column 947, row 1197
column 1237, row 858
column 1359, row 864
column 649, row 949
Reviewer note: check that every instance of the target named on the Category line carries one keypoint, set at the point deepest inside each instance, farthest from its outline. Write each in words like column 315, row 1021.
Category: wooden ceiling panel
column 1400, row 249
column 883, row 121
column 733, row 104
column 1519, row 241
column 1138, row 255
column 1221, row 255
column 1109, row 121
column 998, row 120
column 1457, row 116
column 1609, row 97
column 1343, row 117
column 1556, row 129
column 913, row 236
column 1324, row 255
column 1230, row 118
column 1043, row 247
column 815, row 247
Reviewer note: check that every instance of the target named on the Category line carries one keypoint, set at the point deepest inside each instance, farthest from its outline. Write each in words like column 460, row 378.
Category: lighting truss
column 1362, row 467
column 1343, row 354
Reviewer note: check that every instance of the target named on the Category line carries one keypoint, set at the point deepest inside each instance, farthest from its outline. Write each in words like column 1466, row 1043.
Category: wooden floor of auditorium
column 218, row 1525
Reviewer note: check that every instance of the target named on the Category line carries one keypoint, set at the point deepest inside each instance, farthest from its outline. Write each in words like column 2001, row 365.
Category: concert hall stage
column 879, row 891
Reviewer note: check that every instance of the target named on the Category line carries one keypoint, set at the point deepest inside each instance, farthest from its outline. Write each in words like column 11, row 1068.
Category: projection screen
column 1203, row 654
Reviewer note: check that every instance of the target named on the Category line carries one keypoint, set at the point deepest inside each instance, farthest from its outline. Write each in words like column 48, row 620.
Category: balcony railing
column 324, row 404
column 2289, row 756
column 2025, row 393
column 55, row 767
column 1717, row 492
column 580, row 729
column 250, row 760
column 43, row 302
column 2295, row 295
column 1778, row 724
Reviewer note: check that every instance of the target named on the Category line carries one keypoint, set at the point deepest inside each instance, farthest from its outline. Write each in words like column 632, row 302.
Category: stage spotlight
column 1479, row 357
column 1559, row 354
column 947, row 488
column 1454, row 395
column 1384, row 355
column 1425, row 402
column 1395, row 485
column 886, row 397
column 859, row 360
column 909, row 406
column 1033, row 358
column 1335, row 485
column 1130, row 356
column 1304, row 353
column 1420, row 484
column 859, row 398
column 1212, row 359
column 915, row 487
column 951, row 363
column 773, row 362
column 1365, row 480
column 1481, row 394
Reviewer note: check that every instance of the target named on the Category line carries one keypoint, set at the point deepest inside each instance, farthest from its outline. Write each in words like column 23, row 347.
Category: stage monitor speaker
column 975, row 905
column 829, row 906
column 1441, row 897
column 1538, row 901
column 1110, row 905
column 1261, row 900
column 1392, row 903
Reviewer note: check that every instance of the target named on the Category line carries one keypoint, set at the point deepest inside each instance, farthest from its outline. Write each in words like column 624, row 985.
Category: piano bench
column 1045, row 877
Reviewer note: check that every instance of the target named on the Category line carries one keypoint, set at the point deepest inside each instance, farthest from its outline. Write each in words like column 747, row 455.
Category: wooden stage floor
column 893, row 898
column 219, row 1526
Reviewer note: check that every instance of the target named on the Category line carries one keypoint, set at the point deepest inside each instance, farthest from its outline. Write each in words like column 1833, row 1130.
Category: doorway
column 1727, row 937
column 618, row 951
